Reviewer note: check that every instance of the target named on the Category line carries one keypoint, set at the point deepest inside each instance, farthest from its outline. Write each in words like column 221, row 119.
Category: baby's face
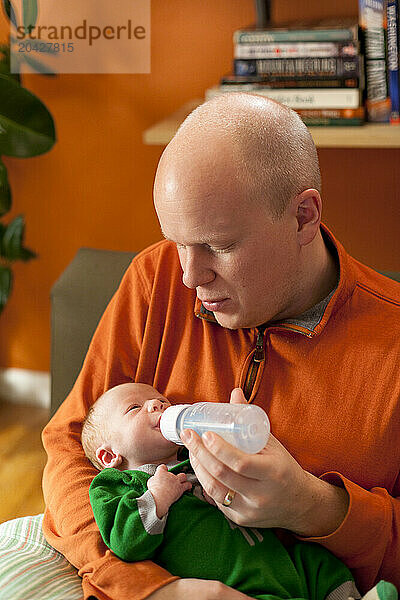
column 135, row 411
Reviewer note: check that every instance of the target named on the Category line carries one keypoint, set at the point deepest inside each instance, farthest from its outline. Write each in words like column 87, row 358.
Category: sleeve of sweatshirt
column 125, row 512
column 368, row 539
column 69, row 525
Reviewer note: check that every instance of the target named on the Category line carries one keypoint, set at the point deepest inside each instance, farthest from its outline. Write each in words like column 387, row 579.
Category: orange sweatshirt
column 331, row 392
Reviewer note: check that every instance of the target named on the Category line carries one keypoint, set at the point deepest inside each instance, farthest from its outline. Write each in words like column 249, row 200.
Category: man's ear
column 107, row 457
column 308, row 215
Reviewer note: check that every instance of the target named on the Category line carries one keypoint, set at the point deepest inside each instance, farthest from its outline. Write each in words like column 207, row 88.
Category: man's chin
column 228, row 321
column 235, row 321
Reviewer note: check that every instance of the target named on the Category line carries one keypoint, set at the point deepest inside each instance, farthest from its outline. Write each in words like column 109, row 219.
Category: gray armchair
column 78, row 299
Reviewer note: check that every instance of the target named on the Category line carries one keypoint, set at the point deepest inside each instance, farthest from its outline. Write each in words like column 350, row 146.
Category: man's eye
column 219, row 250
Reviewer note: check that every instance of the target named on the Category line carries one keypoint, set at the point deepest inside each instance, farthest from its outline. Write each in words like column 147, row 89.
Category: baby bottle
column 245, row 426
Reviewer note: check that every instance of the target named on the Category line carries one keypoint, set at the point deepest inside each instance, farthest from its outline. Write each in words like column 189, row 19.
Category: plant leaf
column 38, row 66
column 6, row 279
column 26, row 126
column 5, row 70
column 5, row 190
column 12, row 241
column 5, row 67
column 30, row 12
column 8, row 7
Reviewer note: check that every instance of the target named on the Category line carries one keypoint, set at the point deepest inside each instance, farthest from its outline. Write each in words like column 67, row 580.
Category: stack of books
column 315, row 68
column 393, row 58
column 379, row 22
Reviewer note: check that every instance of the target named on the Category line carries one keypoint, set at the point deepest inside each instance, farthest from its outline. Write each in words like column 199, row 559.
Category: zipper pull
column 259, row 354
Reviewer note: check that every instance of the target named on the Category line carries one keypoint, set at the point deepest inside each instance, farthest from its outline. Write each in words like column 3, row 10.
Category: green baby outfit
column 195, row 539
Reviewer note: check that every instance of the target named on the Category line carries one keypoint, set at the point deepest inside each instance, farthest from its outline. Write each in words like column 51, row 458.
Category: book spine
column 329, row 122
column 331, row 113
column 295, row 82
column 296, row 49
column 299, row 35
column 300, row 98
column 392, row 13
column 299, row 67
column 329, row 117
column 373, row 24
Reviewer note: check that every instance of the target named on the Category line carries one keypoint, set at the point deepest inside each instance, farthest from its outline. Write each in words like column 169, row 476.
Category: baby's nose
column 155, row 404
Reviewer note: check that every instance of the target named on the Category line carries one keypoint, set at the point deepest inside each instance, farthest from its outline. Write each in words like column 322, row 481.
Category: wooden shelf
column 162, row 132
column 370, row 135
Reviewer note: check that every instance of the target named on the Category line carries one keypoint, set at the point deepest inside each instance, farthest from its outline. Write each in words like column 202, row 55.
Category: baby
column 148, row 505
column 122, row 431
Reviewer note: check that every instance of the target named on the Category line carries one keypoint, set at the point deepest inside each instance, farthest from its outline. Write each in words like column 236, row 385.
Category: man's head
column 237, row 189
column 122, row 428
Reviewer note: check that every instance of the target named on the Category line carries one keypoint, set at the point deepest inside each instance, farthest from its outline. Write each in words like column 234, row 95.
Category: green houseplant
column 26, row 130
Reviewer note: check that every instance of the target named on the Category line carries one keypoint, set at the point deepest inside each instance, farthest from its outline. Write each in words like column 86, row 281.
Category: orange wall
column 95, row 187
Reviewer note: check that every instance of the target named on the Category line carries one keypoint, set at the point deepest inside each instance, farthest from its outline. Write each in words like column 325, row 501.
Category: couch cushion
column 30, row 568
column 78, row 299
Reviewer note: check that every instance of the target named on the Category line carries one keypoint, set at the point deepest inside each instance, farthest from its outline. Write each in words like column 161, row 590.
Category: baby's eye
column 133, row 407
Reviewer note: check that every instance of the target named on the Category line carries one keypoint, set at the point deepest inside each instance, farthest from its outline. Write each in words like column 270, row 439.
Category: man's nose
column 155, row 404
column 196, row 268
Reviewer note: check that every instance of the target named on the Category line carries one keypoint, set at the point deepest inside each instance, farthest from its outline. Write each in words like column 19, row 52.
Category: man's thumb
column 237, row 396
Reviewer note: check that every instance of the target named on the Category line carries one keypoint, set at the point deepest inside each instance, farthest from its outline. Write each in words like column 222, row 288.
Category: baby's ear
column 107, row 457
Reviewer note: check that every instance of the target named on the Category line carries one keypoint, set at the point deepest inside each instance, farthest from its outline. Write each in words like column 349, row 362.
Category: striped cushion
column 30, row 568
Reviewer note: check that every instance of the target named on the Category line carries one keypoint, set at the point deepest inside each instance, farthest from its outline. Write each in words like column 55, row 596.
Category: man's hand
column 201, row 589
column 272, row 490
column 166, row 488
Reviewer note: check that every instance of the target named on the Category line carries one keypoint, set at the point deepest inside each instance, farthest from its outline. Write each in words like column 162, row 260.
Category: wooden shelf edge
column 161, row 133
column 370, row 135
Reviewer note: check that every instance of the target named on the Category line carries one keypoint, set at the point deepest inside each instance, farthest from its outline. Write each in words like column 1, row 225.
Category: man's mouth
column 213, row 305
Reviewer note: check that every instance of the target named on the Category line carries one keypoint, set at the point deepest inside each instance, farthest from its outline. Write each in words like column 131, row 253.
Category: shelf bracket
column 263, row 12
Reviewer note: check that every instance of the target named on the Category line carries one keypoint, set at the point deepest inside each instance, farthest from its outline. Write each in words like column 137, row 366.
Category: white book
column 299, row 49
column 296, row 98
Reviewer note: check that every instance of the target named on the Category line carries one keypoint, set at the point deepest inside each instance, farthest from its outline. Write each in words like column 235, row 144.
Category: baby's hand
column 166, row 488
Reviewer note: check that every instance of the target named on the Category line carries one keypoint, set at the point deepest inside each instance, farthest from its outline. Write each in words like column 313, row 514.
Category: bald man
column 248, row 291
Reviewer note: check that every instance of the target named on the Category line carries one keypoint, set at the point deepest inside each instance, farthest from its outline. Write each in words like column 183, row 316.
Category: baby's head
column 122, row 428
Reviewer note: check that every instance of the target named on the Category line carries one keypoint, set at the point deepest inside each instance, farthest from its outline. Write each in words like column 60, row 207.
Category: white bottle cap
column 168, row 422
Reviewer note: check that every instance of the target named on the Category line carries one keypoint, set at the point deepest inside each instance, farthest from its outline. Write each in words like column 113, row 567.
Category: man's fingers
column 213, row 487
column 208, row 498
column 251, row 466
column 214, row 476
column 219, row 466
